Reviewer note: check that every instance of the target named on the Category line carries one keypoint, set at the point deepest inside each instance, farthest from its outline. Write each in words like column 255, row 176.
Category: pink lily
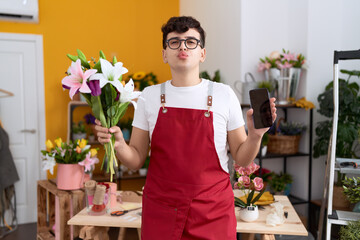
column 285, row 65
column 88, row 162
column 76, row 81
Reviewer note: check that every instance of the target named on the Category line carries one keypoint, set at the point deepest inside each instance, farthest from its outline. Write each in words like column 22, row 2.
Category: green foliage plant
column 78, row 127
column 278, row 182
column 206, row 75
column 350, row 231
column 348, row 122
column 352, row 189
column 266, row 84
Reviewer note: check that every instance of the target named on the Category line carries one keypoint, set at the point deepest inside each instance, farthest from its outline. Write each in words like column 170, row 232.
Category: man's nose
column 182, row 45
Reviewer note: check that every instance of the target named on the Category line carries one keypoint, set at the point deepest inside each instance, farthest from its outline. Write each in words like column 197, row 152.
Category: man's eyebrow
column 184, row 37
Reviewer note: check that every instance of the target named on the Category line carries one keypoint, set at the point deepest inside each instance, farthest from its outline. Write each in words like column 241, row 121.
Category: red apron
column 187, row 194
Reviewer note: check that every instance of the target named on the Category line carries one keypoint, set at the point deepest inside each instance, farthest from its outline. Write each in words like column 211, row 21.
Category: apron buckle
column 164, row 110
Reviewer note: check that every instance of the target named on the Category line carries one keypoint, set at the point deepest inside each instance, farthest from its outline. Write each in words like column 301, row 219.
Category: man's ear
column 203, row 55
column 164, row 56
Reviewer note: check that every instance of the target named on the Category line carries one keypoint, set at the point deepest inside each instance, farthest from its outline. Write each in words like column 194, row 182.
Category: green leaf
column 250, row 196
column 72, row 57
column 97, row 66
column 258, row 196
column 114, row 60
column 102, row 55
column 239, row 202
column 98, row 110
column 121, row 112
column 83, row 60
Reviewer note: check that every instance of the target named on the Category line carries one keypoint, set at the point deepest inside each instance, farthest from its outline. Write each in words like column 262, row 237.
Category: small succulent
column 291, row 128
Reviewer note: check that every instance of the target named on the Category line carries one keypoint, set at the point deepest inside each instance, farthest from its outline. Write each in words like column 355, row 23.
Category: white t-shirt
column 226, row 109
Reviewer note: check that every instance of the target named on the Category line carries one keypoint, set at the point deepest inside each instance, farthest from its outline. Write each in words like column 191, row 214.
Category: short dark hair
column 180, row 25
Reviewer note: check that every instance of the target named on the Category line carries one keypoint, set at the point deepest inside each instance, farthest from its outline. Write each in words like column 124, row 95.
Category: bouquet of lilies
column 100, row 83
column 68, row 153
column 246, row 180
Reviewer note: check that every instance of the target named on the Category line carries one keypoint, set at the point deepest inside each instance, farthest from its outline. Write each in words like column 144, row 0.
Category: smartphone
column 260, row 103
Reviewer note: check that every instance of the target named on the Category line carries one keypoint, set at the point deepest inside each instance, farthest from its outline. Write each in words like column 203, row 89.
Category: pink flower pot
column 70, row 176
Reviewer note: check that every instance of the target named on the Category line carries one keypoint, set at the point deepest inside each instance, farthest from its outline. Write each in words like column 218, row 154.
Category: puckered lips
column 183, row 55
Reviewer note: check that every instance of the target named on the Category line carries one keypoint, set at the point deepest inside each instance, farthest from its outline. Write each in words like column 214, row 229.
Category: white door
column 22, row 115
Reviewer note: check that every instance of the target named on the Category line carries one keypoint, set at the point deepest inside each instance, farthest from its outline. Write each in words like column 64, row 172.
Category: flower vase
column 249, row 214
column 70, row 176
column 295, row 74
column 272, row 75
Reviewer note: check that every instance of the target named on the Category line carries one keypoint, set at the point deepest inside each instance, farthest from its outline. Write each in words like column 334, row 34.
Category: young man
column 188, row 122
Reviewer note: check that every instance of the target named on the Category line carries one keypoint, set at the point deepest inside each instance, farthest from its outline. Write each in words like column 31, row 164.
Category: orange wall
column 129, row 29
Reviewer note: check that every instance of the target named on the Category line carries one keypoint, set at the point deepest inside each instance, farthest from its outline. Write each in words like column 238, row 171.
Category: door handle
column 29, row 131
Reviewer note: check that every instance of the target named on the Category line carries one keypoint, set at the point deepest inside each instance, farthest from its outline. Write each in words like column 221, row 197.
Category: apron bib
column 187, row 194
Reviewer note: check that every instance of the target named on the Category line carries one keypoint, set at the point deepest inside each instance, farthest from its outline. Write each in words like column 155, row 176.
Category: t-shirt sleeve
column 140, row 119
column 236, row 119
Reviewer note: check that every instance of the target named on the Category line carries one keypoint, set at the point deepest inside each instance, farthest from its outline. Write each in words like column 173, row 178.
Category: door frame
column 38, row 40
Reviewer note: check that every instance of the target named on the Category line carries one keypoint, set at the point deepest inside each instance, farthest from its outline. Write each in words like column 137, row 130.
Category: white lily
column 49, row 163
column 128, row 93
column 110, row 74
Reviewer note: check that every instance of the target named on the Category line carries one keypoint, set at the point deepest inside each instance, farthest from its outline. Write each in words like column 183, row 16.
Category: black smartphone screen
column 260, row 103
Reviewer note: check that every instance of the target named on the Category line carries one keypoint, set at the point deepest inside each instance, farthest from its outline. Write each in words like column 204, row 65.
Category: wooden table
column 292, row 225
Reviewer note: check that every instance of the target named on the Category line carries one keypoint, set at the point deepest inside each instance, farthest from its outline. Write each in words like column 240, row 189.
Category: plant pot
column 249, row 214
column 78, row 136
column 339, row 199
column 287, row 189
column 143, row 171
column 70, row 176
column 356, row 207
column 263, row 151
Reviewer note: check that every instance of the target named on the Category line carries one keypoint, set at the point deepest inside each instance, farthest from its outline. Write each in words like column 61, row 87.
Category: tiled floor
column 28, row 232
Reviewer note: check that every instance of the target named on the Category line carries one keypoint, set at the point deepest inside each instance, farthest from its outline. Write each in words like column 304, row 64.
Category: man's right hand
column 104, row 134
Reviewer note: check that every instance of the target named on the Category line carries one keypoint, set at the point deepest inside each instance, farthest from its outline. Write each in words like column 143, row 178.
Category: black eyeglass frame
column 184, row 40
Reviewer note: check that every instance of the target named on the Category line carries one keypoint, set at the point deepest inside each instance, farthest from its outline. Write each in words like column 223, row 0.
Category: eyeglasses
column 190, row 43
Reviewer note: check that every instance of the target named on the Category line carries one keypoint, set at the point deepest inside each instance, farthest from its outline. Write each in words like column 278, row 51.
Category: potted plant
column 78, row 131
column 281, row 183
column 73, row 160
column 206, row 75
column 142, row 79
column 143, row 170
column 348, row 125
column 352, row 191
column 264, row 143
column 248, row 185
column 350, row 231
column 284, row 139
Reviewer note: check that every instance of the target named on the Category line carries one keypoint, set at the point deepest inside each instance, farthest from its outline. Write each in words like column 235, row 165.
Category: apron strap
column 209, row 98
column 162, row 97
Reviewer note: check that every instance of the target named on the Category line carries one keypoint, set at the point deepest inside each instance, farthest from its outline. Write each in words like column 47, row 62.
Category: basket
column 283, row 144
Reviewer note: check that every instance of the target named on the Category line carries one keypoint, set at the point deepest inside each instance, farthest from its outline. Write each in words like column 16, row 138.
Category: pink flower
column 285, row 65
column 288, row 56
column 76, row 81
column 236, row 185
column 263, row 66
column 88, row 162
column 258, row 183
column 274, row 55
column 244, row 171
column 244, row 181
column 253, row 167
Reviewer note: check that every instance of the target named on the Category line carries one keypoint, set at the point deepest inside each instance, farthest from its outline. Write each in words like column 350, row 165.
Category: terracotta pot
column 70, row 176
column 339, row 199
